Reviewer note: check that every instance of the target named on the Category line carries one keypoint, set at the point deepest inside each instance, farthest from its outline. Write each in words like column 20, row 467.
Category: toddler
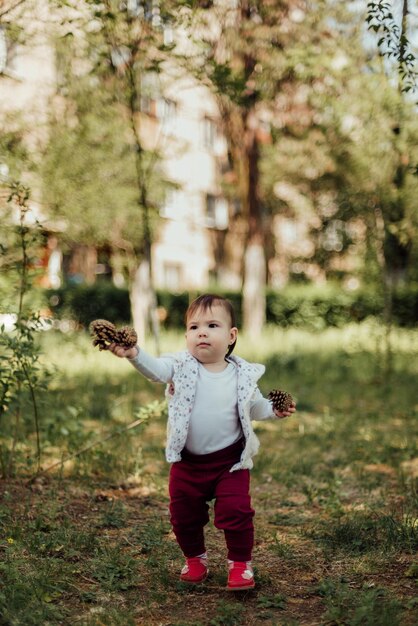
column 212, row 398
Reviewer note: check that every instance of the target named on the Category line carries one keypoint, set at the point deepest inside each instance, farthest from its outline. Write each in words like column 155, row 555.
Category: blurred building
column 180, row 118
column 27, row 68
column 182, row 123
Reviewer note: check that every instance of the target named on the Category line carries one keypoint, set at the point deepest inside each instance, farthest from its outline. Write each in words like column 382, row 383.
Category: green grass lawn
column 334, row 488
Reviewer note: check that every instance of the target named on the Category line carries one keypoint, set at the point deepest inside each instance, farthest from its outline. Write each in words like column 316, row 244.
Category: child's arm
column 156, row 369
column 262, row 409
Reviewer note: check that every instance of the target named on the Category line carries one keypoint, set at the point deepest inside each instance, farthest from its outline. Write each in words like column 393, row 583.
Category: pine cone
column 104, row 333
column 281, row 400
column 127, row 337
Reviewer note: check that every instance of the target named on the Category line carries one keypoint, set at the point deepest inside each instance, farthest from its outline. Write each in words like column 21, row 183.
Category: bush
column 303, row 306
column 318, row 308
column 405, row 306
column 85, row 303
column 174, row 305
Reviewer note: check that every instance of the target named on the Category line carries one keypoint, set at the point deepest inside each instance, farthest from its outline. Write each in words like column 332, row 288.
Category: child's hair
column 205, row 302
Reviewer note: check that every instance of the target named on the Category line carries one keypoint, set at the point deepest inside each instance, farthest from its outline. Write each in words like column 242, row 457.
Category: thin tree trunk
column 140, row 299
column 143, row 297
column 143, row 304
column 83, row 263
column 254, row 299
column 387, row 284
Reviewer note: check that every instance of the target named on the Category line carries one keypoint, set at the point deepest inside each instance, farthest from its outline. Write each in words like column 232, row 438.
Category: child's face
column 209, row 334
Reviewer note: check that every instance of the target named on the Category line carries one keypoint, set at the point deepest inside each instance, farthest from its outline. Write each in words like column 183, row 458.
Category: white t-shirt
column 214, row 421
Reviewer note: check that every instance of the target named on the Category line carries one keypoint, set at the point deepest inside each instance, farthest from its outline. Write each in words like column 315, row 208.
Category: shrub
column 303, row 306
column 85, row 303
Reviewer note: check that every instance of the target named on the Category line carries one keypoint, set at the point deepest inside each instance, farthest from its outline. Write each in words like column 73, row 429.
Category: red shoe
column 240, row 576
column 195, row 570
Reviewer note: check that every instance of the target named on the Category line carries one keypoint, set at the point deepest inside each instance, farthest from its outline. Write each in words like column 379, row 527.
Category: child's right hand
column 123, row 353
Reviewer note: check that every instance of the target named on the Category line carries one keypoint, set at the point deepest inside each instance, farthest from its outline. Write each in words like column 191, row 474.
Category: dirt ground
column 291, row 567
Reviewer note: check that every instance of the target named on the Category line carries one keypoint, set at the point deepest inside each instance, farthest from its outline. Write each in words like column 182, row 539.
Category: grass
column 358, row 607
column 334, row 489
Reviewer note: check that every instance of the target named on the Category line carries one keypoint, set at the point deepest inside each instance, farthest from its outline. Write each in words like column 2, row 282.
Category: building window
column 149, row 10
column 236, row 207
column 217, row 214
column 172, row 275
column 174, row 206
column 166, row 111
column 150, row 93
column 120, row 56
column 3, row 50
column 8, row 53
column 210, row 209
column 168, row 34
column 209, row 133
column 135, row 7
column 147, row 105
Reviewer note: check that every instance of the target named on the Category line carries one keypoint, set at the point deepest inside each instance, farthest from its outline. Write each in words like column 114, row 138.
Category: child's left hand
column 287, row 413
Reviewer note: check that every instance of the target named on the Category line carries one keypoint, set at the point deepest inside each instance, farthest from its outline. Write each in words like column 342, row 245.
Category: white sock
column 248, row 563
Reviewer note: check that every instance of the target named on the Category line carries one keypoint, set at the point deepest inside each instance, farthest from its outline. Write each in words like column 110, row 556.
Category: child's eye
column 213, row 325
column 192, row 327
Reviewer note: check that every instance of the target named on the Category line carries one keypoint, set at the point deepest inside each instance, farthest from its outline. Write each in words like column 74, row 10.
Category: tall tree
column 123, row 44
column 238, row 53
column 298, row 167
column 394, row 27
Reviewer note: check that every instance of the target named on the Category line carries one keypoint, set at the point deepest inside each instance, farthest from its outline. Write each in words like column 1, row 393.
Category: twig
column 89, row 580
column 35, row 413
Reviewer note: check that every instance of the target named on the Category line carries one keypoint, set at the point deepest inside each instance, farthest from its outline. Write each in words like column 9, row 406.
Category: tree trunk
column 143, row 297
column 241, row 123
column 397, row 250
column 254, row 298
column 82, row 266
column 143, row 304
column 117, row 265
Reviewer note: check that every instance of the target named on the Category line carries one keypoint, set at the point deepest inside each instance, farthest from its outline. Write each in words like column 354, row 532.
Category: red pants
column 197, row 479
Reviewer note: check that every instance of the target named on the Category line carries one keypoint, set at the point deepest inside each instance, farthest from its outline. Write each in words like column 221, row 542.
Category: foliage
column 87, row 303
column 21, row 379
column 382, row 174
column 21, row 375
column 104, row 87
column 337, row 142
column 342, row 166
column 87, row 148
column 246, row 53
column 394, row 40
column 303, row 306
column 13, row 151
column 91, row 140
